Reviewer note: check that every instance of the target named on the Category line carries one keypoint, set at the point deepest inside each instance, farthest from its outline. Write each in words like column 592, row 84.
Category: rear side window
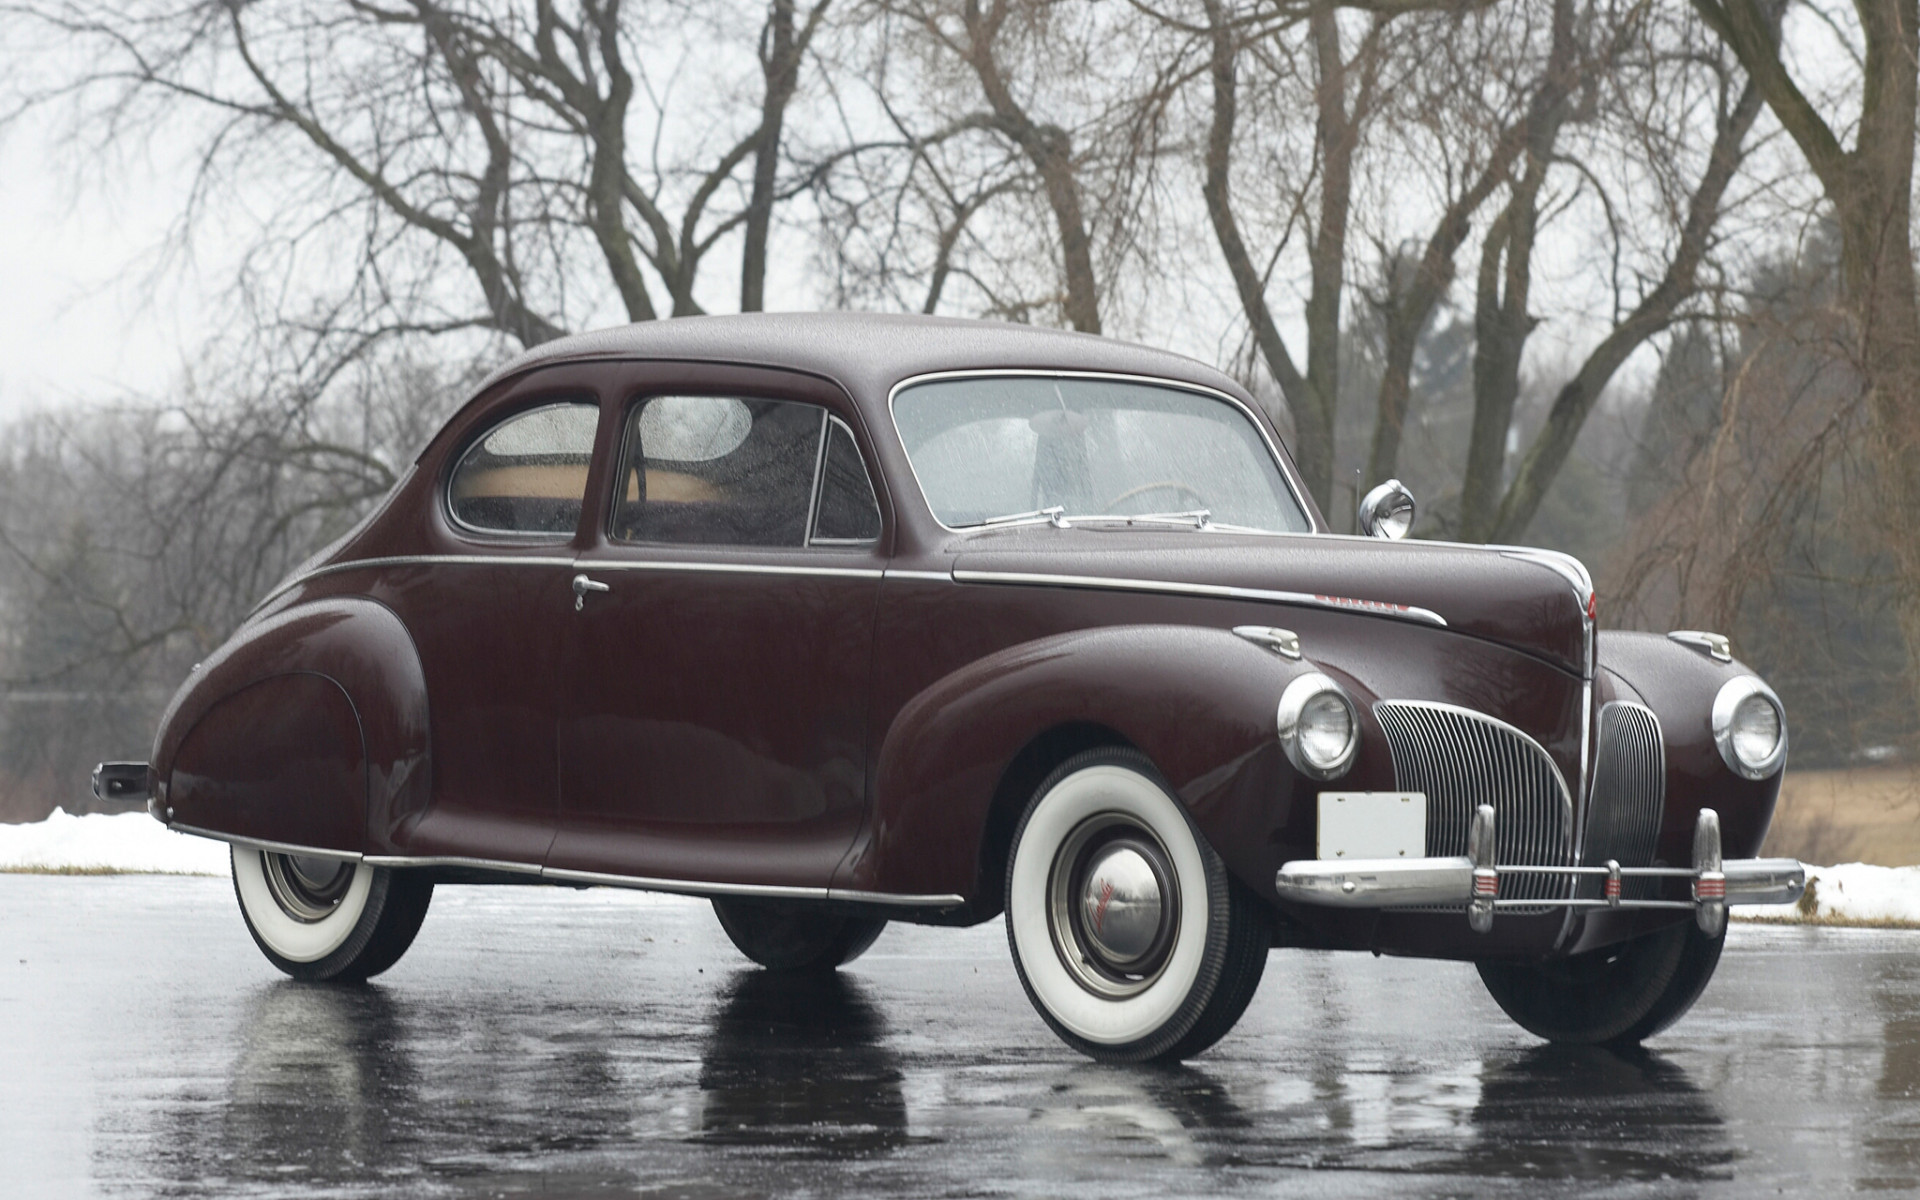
column 528, row 475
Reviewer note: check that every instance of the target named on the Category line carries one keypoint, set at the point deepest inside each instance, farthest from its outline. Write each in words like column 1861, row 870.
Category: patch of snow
column 108, row 842
column 1849, row 894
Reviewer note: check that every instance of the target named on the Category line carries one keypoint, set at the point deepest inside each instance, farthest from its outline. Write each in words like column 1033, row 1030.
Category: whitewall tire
column 318, row 918
column 1129, row 935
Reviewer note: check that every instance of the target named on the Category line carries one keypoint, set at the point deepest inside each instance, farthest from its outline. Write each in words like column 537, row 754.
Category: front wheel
column 328, row 919
column 1616, row 995
column 786, row 935
column 1130, row 937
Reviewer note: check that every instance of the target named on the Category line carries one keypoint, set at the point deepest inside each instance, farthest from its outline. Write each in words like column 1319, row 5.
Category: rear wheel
column 1130, row 937
column 784, row 935
column 324, row 918
column 1616, row 995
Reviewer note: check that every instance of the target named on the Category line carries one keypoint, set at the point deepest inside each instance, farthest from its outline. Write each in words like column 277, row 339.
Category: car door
column 713, row 726
column 487, row 613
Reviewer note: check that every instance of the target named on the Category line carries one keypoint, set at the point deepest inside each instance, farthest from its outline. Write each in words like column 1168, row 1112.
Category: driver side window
column 730, row 471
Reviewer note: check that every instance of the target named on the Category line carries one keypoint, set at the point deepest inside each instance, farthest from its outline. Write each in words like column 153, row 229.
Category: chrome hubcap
column 1121, row 903
column 307, row 889
column 1114, row 906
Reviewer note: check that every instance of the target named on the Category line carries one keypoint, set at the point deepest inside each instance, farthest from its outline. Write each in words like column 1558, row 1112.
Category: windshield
column 1002, row 447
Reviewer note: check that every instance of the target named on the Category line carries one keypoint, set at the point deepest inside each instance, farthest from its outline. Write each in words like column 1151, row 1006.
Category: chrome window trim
column 820, row 487
column 511, row 535
column 1280, row 461
column 687, row 887
column 819, row 478
column 927, row 576
column 1219, row 591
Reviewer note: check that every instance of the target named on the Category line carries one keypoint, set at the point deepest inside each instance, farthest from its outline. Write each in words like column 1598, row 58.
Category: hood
column 1535, row 601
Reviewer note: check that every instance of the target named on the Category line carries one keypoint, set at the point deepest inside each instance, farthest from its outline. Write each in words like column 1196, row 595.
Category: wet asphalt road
column 540, row 1042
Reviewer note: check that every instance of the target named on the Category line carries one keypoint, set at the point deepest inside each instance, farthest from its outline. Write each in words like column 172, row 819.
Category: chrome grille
column 1629, row 792
column 1462, row 759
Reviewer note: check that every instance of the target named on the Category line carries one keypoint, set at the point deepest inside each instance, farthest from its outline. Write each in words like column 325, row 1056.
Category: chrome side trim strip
column 609, row 564
column 531, row 560
column 268, row 847
column 948, row 900
column 927, row 576
column 682, row 886
column 1378, row 608
column 450, row 860
column 686, row 887
column 413, row 560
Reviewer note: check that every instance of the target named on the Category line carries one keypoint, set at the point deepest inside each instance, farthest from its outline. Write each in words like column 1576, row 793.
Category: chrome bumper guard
column 1473, row 879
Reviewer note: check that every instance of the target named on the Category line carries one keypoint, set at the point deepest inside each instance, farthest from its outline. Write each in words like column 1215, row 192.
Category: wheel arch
column 308, row 727
column 961, row 759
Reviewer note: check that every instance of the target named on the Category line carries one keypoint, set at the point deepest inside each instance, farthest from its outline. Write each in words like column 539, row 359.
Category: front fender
column 1679, row 683
column 308, row 727
column 1199, row 702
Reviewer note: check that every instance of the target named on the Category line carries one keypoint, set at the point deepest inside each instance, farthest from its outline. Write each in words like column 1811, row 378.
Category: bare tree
column 1870, row 187
column 1344, row 92
column 1480, row 150
column 1492, row 508
column 526, row 142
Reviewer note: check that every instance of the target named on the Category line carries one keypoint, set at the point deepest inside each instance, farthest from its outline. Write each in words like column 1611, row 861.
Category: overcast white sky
column 80, row 316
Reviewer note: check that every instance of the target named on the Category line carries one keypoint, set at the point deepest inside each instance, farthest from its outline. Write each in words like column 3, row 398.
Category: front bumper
column 1473, row 880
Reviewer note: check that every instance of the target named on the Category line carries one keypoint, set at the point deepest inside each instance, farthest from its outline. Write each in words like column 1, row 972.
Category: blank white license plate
column 1372, row 825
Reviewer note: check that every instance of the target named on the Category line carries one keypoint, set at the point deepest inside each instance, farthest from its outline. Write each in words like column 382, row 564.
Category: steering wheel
column 1173, row 485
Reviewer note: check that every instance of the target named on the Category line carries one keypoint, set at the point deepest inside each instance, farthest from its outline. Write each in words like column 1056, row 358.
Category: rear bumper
column 1473, row 880
column 123, row 782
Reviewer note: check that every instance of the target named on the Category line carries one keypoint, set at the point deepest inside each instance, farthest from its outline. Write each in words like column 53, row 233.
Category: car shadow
column 1594, row 1113
column 800, row 1060
column 311, row 1100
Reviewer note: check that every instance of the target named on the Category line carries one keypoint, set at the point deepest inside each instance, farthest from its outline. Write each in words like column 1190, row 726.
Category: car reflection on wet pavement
column 549, row 1043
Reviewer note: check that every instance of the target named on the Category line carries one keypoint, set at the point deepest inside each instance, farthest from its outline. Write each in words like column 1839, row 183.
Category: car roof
column 868, row 353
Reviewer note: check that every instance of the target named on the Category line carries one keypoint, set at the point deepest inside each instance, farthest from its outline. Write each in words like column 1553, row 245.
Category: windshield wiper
column 1199, row 518
column 1055, row 515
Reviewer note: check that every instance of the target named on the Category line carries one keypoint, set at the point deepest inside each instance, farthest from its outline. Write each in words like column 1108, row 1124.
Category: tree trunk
column 780, row 66
column 1501, row 321
column 1327, row 259
column 1409, row 312
column 1050, row 149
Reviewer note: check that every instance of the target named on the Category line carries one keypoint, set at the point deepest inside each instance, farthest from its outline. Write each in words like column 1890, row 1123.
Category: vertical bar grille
column 1629, row 792
column 1462, row 759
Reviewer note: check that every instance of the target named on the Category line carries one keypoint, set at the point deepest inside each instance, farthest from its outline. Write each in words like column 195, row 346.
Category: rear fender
column 1199, row 702
column 308, row 727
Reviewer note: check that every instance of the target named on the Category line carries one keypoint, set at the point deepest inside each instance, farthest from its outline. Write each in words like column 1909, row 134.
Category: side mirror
column 1387, row 511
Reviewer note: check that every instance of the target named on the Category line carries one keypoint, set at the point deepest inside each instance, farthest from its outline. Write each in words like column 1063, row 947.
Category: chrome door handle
column 581, row 586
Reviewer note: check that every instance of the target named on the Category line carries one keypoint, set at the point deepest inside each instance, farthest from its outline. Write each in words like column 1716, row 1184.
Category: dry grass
column 1864, row 814
column 96, row 871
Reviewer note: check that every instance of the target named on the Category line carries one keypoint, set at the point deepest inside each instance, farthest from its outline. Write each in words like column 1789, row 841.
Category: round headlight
column 1750, row 728
column 1318, row 726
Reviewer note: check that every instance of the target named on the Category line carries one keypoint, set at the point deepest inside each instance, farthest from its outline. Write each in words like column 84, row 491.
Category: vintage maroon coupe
column 840, row 620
